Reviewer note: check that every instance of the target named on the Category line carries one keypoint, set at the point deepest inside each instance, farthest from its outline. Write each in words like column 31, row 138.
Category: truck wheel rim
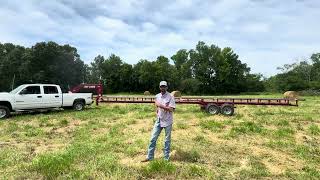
column 78, row 107
column 213, row 110
column 3, row 113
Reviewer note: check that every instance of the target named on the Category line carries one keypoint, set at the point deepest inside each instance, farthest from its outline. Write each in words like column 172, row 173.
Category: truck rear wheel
column 213, row 109
column 4, row 112
column 78, row 105
column 227, row 110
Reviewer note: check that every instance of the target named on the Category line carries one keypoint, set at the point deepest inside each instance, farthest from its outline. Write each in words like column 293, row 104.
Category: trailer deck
column 211, row 105
column 223, row 105
column 202, row 100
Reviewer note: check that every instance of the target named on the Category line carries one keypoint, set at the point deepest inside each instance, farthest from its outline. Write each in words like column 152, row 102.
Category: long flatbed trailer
column 211, row 105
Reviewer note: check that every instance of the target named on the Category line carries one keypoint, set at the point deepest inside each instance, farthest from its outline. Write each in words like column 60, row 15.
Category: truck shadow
column 56, row 111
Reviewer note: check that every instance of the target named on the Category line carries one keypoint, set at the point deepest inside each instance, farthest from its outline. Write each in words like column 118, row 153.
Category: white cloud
column 265, row 34
column 149, row 27
column 256, row 28
column 110, row 23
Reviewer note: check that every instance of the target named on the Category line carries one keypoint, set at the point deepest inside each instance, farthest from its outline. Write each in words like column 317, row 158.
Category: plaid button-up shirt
column 166, row 117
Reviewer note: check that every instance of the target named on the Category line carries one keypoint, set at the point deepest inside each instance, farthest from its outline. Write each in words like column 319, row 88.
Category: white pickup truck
column 29, row 97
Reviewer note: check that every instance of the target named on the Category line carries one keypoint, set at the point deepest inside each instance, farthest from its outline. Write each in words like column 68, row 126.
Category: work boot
column 145, row 160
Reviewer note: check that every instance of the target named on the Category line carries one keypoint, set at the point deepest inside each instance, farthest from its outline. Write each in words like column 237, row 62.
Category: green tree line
column 42, row 63
column 303, row 75
column 206, row 69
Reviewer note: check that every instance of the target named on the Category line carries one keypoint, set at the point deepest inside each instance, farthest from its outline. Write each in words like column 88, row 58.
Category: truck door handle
column 39, row 96
column 56, row 96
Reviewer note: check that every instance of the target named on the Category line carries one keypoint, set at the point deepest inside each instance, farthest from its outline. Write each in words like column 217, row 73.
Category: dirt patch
column 244, row 163
column 35, row 147
column 146, row 124
column 276, row 162
column 302, row 138
column 68, row 129
column 133, row 161
column 46, row 147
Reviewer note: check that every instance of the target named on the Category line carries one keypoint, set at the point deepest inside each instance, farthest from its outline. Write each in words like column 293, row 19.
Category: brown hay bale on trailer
column 146, row 93
column 291, row 95
column 176, row 93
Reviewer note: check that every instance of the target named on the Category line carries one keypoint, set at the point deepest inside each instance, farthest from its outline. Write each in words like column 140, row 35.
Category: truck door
column 29, row 98
column 51, row 97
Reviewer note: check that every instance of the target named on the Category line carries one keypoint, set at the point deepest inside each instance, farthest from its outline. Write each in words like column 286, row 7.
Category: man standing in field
column 165, row 106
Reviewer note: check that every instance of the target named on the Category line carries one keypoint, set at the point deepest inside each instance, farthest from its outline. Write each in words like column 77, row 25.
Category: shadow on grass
column 55, row 111
column 192, row 155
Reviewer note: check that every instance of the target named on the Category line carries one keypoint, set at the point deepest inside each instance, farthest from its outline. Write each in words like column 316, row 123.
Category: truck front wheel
column 78, row 105
column 4, row 112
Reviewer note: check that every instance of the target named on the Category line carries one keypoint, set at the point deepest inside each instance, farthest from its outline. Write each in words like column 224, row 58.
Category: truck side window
column 50, row 90
column 31, row 90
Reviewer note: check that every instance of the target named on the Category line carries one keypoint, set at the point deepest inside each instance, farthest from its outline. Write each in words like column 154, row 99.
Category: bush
column 190, row 86
column 310, row 92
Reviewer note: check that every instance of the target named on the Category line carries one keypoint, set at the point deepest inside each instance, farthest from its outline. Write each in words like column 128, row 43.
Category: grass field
column 109, row 141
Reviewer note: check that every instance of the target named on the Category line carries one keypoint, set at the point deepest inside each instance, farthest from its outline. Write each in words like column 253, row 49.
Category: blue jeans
column 154, row 137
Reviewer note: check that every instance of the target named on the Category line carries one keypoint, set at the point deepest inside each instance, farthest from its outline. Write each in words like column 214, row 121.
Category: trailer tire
column 78, row 105
column 227, row 109
column 4, row 112
column 213, row 109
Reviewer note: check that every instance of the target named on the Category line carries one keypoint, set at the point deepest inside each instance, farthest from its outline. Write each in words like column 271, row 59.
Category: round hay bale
column 291, row 95
column 176, row 93
column 146, row 93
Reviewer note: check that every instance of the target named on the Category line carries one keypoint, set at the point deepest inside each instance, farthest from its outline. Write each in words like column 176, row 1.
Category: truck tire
column 78, row 105
column 213, row 109
column 227, row 110
column 4, row 112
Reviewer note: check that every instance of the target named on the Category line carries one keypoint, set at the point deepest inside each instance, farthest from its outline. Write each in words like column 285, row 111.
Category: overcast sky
column 264, row 33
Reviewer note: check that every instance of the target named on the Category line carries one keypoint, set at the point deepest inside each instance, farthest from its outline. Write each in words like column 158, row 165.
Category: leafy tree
column 190, row 86
column 219, row 71
column 45, row 62
column 297, row 76
column 254, row 83
column 315, row 70
column 111, row 68
column 95, row 69
column 207, row 69
column 182, row 64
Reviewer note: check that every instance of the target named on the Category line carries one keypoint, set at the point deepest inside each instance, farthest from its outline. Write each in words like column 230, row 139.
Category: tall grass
column 109, row 141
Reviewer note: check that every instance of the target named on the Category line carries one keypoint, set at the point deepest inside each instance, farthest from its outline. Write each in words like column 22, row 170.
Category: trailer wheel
column 78, row 105
column 4, row 112
column 227, row 110
column 213, row 109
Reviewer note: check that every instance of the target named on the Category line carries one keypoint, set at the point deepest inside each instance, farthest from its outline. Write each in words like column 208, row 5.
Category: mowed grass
column 109, row 141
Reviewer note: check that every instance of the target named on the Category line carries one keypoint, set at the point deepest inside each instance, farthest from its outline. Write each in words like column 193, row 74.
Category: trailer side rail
column 204, row 101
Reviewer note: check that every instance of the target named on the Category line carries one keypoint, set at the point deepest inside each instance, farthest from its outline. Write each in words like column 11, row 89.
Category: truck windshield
column 16, row 89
